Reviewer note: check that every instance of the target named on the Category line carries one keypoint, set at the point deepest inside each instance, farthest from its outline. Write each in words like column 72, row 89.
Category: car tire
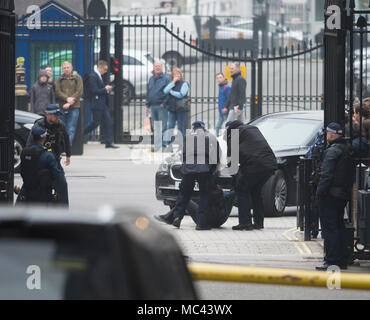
column 173, row 59
column 218, row 218
column 128, row 92
column 275, row 195
column 18, row 147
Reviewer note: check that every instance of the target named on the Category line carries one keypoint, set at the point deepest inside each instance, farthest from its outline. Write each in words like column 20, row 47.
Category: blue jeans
column 70, row 118
column 222, row 118
column 159, row 114
column 180, row 117
column 102, row 118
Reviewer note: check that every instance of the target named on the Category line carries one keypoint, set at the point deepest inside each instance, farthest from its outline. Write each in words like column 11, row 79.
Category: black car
column 22, row 127
column 289, row 134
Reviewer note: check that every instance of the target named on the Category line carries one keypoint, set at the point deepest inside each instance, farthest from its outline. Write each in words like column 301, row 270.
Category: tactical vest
column 54, row 141
column 37, row 182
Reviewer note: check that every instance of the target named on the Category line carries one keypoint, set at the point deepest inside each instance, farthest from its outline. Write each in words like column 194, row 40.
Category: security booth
column 49, row 33
column 345, row 90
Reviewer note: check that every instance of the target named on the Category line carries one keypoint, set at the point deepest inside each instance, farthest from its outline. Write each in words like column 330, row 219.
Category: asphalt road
column 110, row 176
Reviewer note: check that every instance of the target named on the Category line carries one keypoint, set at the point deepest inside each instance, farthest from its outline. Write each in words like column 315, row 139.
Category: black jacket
column 201, row 153
column 57, row 139
column 237, row 95
column 99, row 95
column 337, row 171
column 255, row 154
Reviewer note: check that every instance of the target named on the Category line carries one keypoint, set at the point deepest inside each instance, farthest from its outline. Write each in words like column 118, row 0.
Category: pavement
column 126, row 178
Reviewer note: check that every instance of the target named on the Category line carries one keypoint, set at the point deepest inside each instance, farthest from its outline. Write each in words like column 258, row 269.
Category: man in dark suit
column 99, row 95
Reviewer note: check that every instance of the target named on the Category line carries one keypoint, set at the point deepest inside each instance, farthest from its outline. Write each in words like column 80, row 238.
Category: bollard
column 291, row 277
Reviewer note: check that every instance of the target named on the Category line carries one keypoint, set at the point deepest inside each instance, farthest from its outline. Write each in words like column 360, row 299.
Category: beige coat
column 72, row 87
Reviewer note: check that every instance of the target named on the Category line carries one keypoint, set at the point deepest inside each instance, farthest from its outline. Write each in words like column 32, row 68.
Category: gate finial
column 361, row 22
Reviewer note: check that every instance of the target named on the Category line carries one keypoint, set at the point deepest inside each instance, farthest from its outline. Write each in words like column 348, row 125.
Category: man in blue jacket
column 223, row 93
column 156, row 104
column 99, row 93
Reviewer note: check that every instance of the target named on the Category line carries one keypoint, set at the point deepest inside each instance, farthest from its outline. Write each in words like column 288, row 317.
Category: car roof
column 317, row 115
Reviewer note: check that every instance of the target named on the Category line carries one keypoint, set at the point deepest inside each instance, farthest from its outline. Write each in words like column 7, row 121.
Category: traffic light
column 115, row 68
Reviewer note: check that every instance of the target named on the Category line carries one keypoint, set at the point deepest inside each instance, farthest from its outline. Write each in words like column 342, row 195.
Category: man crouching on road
column 257, row 164
column 200, row 160
column 333, row 193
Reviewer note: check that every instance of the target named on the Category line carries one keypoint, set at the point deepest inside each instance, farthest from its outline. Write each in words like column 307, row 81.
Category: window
column 130, row 61
column 278, row 132
column 319, row 10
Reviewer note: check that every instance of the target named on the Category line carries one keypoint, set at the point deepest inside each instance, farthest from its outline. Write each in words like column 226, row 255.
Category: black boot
column 164, row 218
column 176, row 222
column 243, row 227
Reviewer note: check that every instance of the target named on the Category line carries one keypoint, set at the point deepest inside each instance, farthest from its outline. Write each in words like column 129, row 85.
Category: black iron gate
column 282, row 79
column 7, row 79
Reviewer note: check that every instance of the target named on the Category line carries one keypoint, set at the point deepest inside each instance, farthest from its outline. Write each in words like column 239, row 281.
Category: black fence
column 7, row 79
column 281, row 79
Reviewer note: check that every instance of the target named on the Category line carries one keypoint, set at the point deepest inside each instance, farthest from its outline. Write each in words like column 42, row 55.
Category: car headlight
column 28, row 126
column 164, row 167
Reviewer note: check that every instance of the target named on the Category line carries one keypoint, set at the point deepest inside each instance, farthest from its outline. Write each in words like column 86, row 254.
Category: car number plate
column 177, row 186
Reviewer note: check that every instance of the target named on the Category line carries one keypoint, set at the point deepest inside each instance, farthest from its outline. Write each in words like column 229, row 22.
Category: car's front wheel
column 18, row 147
column 275, row 195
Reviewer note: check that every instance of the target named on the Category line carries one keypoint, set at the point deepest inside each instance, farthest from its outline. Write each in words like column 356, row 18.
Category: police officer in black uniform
column 200, row 160
column 57, row 141
column 39, row 171
column 257, row 164
column 333, row 193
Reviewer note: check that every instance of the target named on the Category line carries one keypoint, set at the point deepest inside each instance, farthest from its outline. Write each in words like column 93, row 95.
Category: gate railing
column 7, row 80
column 283, row 79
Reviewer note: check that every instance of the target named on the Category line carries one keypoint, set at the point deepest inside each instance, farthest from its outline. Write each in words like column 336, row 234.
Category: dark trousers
column 102, row 118
column 249, row 192
column 186, row 191
column 333, row 229
column 61, row 188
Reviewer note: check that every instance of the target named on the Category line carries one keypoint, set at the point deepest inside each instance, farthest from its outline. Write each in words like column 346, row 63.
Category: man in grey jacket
column 42, row 94
column 235, row 103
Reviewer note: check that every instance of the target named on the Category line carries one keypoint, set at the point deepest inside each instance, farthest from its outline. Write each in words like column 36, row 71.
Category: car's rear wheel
column 18, row 147
column 275, row 195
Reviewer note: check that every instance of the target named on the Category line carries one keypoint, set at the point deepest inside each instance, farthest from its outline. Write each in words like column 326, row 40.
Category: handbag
column 182, row 104
column 147, row 125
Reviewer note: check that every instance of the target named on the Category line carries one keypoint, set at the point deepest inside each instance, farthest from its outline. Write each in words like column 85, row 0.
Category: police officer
column 257, row 164
column 200, row 160
column 333, row 193
column 57, row 141
column 40, row 171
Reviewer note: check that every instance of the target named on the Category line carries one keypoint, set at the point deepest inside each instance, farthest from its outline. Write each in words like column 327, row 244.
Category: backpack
column 87, row 91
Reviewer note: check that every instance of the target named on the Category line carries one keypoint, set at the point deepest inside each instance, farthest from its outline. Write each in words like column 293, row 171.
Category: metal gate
column 282, row 79
column 7, row 79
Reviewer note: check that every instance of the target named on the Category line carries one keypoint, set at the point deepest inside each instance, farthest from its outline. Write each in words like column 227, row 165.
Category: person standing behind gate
column 178, row 91
column 41, row 94
column 157, row 101
column 99, row 94
column 235, row 103
column 223, row 94
column 69, row 89
column 49, row 70
column 333, row 193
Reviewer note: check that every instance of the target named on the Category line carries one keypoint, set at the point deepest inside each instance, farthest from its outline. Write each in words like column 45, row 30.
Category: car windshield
column 287, row 132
